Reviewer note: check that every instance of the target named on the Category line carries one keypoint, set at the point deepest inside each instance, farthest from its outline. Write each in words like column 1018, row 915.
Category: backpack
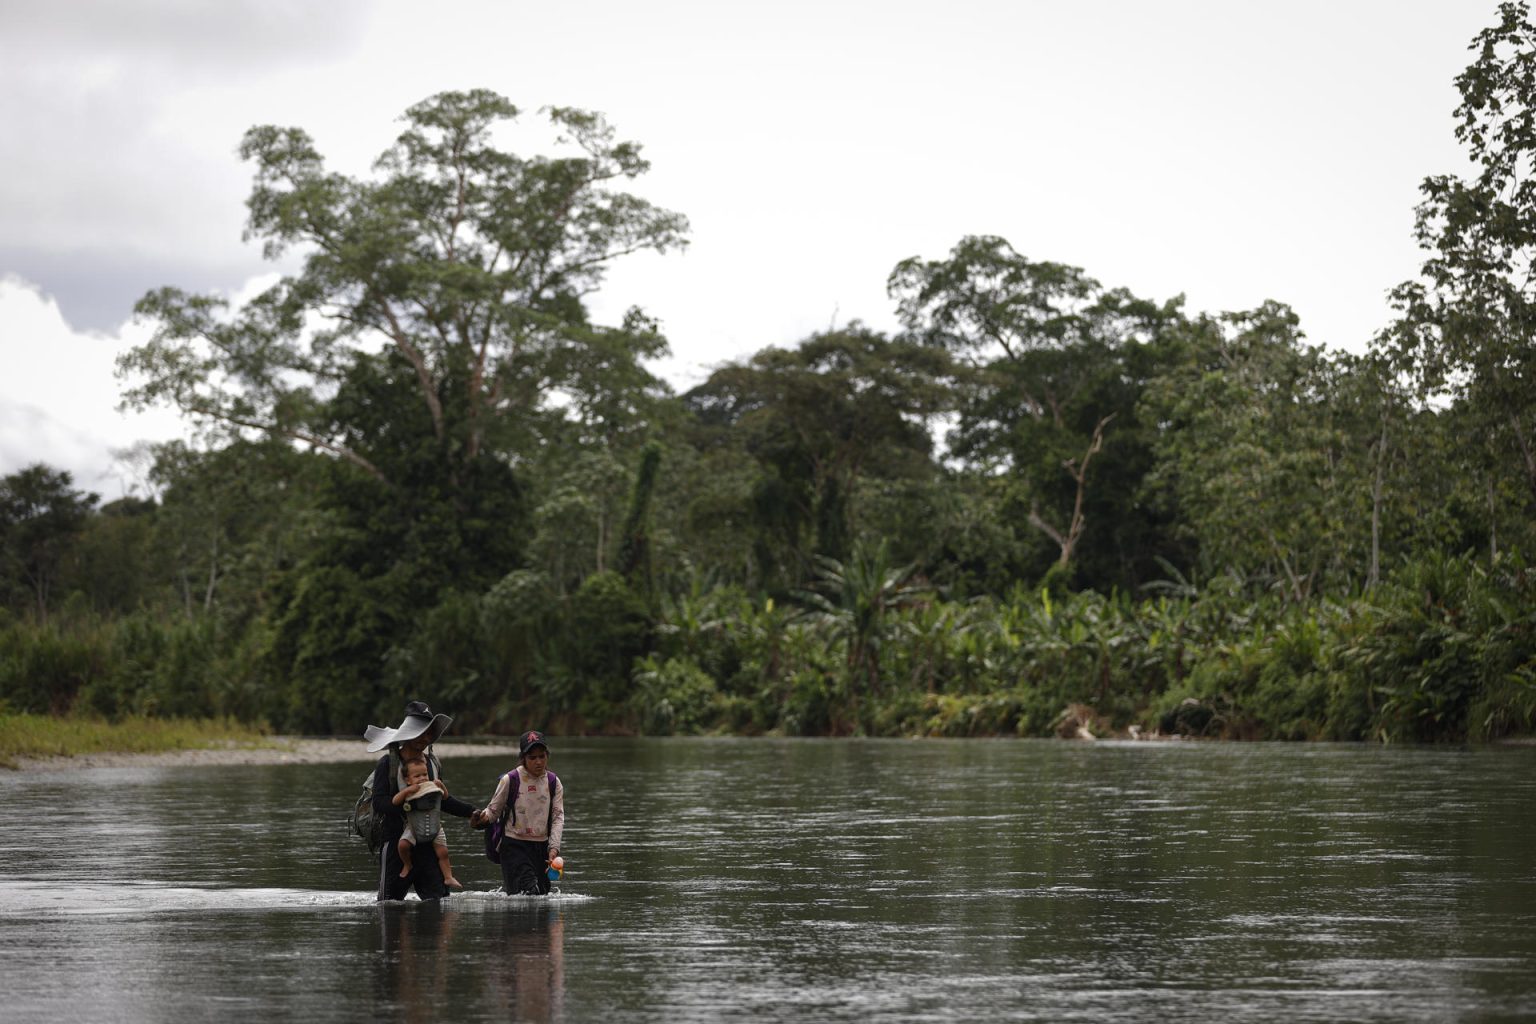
column 498, row 828
column 363, row 822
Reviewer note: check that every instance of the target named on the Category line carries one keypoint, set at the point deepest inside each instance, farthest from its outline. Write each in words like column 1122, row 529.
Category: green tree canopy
column 819, row 419
column 1467, row 327
column 41, row 514
column 1247, row 447
column 1056, row 363
column 468, row 264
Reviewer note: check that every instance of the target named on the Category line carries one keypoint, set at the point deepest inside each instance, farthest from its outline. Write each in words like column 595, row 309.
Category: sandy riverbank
column 276, row 750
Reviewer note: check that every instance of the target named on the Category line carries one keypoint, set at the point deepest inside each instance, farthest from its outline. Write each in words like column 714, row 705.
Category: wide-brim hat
column 419, row 721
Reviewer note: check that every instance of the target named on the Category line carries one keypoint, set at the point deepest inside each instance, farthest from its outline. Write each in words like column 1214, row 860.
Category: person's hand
column 554, row 851
column 478, row 818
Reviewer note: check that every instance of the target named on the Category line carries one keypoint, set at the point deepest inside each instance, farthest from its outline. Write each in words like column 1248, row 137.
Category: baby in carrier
column 420, row 797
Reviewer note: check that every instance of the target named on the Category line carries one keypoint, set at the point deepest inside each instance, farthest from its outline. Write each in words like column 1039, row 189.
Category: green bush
column 43, row 669
column 1420, row 654
column 809, row 708
column 608, row 627
column 1015, row 712
column 675, row 697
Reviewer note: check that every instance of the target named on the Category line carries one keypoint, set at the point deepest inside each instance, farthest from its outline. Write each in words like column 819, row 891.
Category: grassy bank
column 23, row 735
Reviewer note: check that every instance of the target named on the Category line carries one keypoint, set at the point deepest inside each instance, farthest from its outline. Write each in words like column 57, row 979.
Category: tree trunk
column 1377, row 487
column 1493, row 524
column 213, row 574
column 1079, row 473
column 1527, row 455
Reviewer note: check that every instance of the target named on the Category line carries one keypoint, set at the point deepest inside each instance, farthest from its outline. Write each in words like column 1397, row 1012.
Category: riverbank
column 269, row 750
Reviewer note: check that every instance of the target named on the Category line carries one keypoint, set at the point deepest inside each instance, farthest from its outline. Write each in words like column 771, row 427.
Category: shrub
column 44, row 668
column 673, row 697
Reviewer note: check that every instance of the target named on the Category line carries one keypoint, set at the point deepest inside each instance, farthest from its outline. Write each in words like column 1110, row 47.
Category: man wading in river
column 411, row 740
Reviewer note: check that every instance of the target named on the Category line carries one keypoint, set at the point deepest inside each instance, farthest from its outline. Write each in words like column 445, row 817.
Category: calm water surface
column 802, row 880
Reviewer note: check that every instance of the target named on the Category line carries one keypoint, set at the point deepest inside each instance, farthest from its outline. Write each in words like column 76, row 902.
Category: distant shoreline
column 273, row 750
column 312, row 750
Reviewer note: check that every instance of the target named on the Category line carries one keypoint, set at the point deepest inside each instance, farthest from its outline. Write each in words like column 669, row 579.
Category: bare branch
column 340, row 450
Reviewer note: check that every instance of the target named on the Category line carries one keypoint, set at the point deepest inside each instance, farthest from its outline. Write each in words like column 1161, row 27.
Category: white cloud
column 58, row 395
column 183, row 36
column 120, row 131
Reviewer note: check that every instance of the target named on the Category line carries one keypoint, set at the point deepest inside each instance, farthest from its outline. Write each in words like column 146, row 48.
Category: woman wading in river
column 411, row 740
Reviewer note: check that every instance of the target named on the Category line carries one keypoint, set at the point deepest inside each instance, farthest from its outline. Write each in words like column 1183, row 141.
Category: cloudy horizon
column 1230, row 153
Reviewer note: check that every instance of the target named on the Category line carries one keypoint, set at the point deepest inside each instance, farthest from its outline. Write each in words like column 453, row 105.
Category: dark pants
column 426, row 876
column 522, row 867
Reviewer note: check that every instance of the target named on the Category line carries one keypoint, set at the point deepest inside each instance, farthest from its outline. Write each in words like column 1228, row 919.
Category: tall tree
column 819, row 420
column 577, row 516
column 633, row 561
column 229, row 514
column 1467, row 327
column 467, row 263
column 1054, row 375
column 434, row 340
column 1250, row 450
column 41, row 515
column 115, row 566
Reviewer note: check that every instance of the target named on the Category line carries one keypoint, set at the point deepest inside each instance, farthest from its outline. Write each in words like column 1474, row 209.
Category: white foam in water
column 495, row 898
column 32, row 898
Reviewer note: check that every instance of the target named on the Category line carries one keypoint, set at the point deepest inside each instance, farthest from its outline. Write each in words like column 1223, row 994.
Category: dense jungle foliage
column 1044, row 505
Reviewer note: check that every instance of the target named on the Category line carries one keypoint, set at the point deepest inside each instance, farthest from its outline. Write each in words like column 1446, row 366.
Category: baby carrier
column 369, row 826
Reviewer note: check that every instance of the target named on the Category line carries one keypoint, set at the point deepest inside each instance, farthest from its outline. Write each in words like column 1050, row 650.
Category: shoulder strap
column 512, row 781
column 512, row 789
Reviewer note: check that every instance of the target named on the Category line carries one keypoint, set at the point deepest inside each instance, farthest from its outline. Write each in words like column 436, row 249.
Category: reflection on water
column 805, row 880
column 512, row 956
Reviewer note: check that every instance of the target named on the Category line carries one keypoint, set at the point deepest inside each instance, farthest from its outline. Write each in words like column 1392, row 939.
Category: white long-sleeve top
column 530, row 819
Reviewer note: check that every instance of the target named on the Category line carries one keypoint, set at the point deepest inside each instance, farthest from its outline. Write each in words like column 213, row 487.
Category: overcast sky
column 1230, row 151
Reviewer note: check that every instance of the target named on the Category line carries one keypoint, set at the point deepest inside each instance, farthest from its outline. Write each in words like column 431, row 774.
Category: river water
column 801, row 880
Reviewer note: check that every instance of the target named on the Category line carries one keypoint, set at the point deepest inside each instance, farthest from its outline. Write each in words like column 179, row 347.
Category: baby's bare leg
column 404, row 849
column 447, row 869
